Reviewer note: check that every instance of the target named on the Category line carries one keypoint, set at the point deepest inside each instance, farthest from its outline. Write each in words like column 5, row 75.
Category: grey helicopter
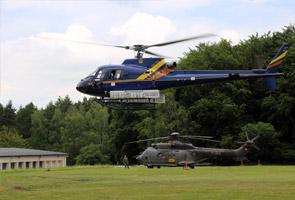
column 175, row 153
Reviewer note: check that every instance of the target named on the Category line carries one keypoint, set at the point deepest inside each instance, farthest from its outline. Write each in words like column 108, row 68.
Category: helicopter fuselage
column 173, row 157
column 156, row 74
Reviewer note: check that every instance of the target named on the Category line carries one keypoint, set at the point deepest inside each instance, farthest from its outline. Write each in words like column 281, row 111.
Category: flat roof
column 7, row 152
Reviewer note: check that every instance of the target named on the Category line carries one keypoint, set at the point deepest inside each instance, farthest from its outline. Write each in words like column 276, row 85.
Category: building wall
column 23, row 162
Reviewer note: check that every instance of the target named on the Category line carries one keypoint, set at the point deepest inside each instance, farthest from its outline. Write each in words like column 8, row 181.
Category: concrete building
column 18, row 158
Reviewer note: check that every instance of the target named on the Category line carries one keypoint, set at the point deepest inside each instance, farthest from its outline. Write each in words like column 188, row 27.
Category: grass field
column 108, row 182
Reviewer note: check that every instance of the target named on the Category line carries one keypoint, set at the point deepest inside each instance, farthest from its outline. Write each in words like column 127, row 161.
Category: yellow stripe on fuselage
column 151, row 70
column 278, row 58
column 160, row 73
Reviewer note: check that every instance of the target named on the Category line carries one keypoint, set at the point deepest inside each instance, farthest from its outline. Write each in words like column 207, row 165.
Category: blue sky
column 39, row 71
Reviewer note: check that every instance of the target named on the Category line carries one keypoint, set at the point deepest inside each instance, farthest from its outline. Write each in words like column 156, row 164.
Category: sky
column 39, row 71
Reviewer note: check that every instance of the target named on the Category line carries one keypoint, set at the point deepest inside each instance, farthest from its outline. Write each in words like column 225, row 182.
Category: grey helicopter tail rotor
column 250, row 142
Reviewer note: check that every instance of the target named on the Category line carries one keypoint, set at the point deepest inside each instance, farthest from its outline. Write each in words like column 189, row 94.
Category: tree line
column 92, row 134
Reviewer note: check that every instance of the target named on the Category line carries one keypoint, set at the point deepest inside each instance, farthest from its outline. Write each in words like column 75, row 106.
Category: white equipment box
column 135, row 94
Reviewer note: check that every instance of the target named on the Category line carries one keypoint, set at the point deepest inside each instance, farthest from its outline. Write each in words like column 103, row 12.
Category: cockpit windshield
column 100, row 75
column 93, row 73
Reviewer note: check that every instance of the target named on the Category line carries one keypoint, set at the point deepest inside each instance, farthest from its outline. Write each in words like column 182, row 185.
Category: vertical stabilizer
column 273, row 66
column 278, row 59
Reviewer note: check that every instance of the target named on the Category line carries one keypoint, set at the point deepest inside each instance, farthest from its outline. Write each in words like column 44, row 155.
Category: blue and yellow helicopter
column 136, row 83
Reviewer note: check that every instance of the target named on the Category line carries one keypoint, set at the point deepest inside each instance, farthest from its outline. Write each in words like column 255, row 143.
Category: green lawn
column 108, row 182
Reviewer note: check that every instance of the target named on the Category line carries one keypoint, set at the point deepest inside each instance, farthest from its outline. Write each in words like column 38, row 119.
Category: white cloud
column 232, row 35
column 40, row 70
column 144, row 28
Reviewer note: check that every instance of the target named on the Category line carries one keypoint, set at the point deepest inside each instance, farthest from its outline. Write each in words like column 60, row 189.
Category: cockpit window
column 112, row 75
column 100, row 75
column 93, row 73
column 118, row 74
column 115, row 74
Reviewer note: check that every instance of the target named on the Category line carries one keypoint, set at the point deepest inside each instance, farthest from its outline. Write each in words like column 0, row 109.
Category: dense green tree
column 91, row 155
column 7, row 115
column 24, row 120
column 268, row 141
column 64, row 103
column 39, row 138
column 11, row 138
column 1, row 114
column 74, row 133
column 54, row 129
column 97, row 119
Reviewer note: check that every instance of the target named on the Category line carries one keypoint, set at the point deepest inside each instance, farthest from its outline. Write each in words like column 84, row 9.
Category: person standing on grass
column 126, row 161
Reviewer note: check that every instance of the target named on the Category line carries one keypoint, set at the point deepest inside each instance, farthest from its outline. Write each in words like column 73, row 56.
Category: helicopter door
column 172, row 157
column 160, row 158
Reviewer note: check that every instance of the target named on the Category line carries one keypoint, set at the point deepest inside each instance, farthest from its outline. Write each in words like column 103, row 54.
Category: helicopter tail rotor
column 250, row 142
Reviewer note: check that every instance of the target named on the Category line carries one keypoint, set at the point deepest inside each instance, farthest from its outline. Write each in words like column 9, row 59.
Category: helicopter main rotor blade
column 182, row 40
column 138, row 141
column 82, row 42
column 256, row 147
column 205, row 139
column 197, row 136
column 154, row 54
column 139, row 48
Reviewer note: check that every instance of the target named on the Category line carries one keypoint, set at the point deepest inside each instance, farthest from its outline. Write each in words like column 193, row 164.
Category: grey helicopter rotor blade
column 256, row 147
column 182, row 40
column 247, row 136
column 155, row 54
column 82, row 42
column 202, row 139
column 197, row 136
column 255, row 138
column 150, row 139
column 251, row 142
